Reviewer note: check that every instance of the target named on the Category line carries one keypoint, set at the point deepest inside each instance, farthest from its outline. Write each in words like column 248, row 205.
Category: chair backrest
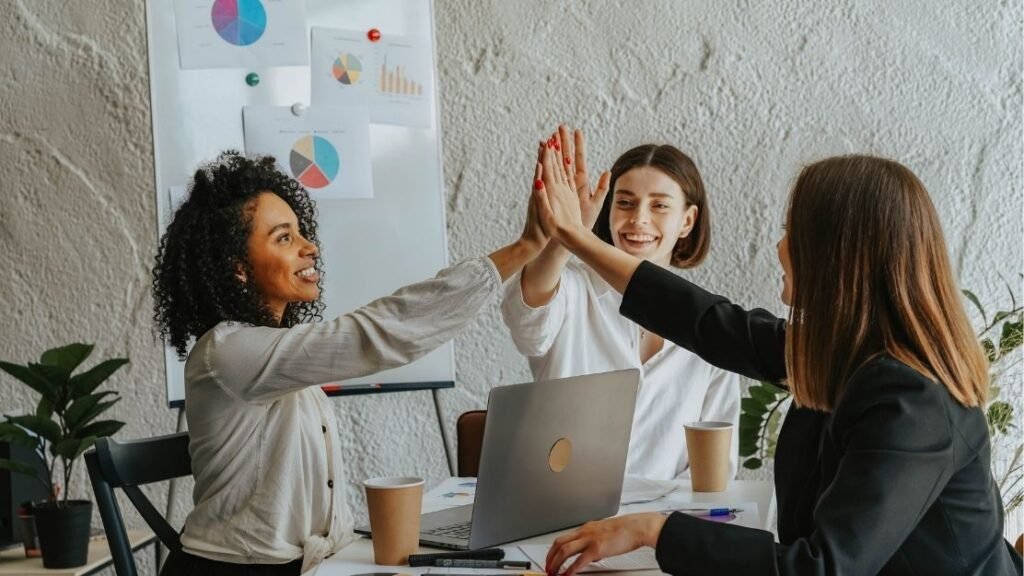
column 469, row 437
column 128, row 465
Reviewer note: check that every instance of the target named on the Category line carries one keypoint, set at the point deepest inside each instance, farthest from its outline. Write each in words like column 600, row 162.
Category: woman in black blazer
column 883, row 465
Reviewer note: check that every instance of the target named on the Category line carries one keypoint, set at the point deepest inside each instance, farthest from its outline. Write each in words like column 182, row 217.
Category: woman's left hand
column 604, row 538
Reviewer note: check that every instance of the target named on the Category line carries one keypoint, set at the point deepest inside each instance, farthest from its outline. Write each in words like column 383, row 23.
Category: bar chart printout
column 396, row 81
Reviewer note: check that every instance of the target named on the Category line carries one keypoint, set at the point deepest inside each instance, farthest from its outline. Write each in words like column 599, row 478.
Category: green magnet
column 252, row 79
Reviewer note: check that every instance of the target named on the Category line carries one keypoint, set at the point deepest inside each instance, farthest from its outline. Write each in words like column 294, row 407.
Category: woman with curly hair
column 237, row 277
column 883, row 466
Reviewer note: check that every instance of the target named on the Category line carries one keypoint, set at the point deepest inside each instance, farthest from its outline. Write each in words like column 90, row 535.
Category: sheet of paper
column 636, row 490
column 639, row 559
column 741, row 513
column 325, row 148
column 241, row 33
column 451, row 492
column 393, row 76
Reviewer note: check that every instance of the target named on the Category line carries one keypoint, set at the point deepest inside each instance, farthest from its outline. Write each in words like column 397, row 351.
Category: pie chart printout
column 314, row 161
column 239, row 22
column 347, row 69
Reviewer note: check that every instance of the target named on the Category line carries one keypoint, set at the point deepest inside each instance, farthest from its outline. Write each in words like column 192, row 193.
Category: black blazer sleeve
column 896, row 452
column 751, row 343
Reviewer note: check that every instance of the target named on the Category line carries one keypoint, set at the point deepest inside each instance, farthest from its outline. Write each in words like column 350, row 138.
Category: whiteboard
column 369, row 247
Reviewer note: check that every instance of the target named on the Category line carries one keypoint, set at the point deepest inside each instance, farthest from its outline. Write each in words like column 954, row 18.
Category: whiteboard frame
column 180, row 132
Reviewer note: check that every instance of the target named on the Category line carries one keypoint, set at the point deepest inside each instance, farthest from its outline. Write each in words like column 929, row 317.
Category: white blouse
column 269, row 474
column 581, row 332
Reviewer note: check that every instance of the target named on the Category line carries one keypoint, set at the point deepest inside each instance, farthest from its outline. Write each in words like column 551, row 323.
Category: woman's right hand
column 574, row 157
column 557, row 203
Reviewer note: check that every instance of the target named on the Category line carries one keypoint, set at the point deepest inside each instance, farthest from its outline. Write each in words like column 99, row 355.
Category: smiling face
column 649, row 214
column 282, row 261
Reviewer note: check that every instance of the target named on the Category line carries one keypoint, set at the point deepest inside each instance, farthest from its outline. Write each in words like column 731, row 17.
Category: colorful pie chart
column 239, row 22
column 314, row 161
column 347, row 69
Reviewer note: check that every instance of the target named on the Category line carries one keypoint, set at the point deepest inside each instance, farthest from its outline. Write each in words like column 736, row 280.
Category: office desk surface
column 357, row 558
column 13, row 561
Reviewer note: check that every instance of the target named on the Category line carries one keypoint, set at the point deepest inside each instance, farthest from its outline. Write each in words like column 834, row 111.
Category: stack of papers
column 639, row 559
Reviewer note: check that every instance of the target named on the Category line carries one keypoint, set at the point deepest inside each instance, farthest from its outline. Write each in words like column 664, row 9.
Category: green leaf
column 1000, row 316
column 752, row 463
column 1011, row 338
column 33, row 380
column 101, row 429
column 86, row 382
column 67, row 357
column 44, row 409
column 84, row 445
column 19, row 467
column 750, row 422
column 752, row 406
column 977, row 304
column 44, row 427
column 990, row 350
column 762, row 395
column 1000, row 417
column 83, row 409
column 775, row 387
column 17, row 435
column 748, row 448
column 55, row 375
column 71, row 448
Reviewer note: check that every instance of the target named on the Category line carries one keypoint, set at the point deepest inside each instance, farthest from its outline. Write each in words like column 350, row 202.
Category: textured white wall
column 751, row 90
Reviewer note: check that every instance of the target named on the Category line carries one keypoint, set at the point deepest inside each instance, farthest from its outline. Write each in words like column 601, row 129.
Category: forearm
column 511, row 259
column 541, row 276
column 612, row 264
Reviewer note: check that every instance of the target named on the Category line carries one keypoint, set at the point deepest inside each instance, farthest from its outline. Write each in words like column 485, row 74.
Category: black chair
column 128, row 465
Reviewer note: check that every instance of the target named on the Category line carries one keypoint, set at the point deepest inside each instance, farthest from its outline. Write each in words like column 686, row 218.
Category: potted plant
column 1001, row 336
column 63, row 426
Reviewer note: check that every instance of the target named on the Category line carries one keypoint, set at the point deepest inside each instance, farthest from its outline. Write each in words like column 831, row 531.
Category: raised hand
column 574, row 157
column 557, row 202
column 597, row 540
column 533, row 232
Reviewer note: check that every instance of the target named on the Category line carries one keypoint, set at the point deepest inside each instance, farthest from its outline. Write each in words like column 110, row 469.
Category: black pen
column 484, row 554
column 473, row 563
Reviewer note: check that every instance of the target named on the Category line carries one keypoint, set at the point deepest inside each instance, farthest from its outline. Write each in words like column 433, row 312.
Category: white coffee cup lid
column 393, row 482
column 709, row 425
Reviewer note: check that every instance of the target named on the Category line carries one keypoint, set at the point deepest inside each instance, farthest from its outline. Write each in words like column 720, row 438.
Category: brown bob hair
column 690, row 251
column 871, row 276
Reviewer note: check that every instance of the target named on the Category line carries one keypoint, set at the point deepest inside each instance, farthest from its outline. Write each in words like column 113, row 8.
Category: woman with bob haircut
column 883, row 467
column 564, row 317
column 238, row 274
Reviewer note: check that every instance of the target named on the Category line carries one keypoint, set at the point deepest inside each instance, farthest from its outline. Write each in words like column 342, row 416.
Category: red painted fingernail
column 538, row 184
column 567, row 160
column 557, row 145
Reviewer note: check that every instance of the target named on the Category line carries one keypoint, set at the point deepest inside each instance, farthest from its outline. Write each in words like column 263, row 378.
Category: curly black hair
column 195, row 280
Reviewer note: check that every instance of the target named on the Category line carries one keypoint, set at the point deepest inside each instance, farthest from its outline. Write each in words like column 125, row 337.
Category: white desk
column 357, row 558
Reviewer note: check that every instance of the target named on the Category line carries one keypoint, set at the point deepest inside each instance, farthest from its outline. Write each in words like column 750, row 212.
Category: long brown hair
column 870, row 276
column 669, row 160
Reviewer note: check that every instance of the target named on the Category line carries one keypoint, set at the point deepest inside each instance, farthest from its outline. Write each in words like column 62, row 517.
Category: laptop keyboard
column 460, row 530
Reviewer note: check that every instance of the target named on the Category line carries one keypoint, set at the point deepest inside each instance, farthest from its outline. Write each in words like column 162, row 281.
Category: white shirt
column 269, row 474
column 581, row 332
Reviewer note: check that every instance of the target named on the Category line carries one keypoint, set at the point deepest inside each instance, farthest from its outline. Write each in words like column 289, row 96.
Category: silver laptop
column 553, row 456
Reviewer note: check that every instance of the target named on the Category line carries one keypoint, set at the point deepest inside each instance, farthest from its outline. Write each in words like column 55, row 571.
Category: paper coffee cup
column 394, row 505
column 709, row 445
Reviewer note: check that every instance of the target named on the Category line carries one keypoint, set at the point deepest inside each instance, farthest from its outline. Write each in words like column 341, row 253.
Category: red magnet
column 373, row 35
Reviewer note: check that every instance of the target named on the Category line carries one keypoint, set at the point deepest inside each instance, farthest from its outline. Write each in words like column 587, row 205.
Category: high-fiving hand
column 557, row 203
column 574, row 157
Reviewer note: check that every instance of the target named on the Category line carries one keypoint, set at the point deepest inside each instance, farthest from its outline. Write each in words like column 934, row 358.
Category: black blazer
column 895, row 480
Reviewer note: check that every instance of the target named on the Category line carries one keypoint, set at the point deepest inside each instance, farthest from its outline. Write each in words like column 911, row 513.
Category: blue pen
column 709, row 511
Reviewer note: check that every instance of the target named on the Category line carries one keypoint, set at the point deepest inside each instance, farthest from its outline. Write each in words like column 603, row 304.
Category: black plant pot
column 64, row 532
